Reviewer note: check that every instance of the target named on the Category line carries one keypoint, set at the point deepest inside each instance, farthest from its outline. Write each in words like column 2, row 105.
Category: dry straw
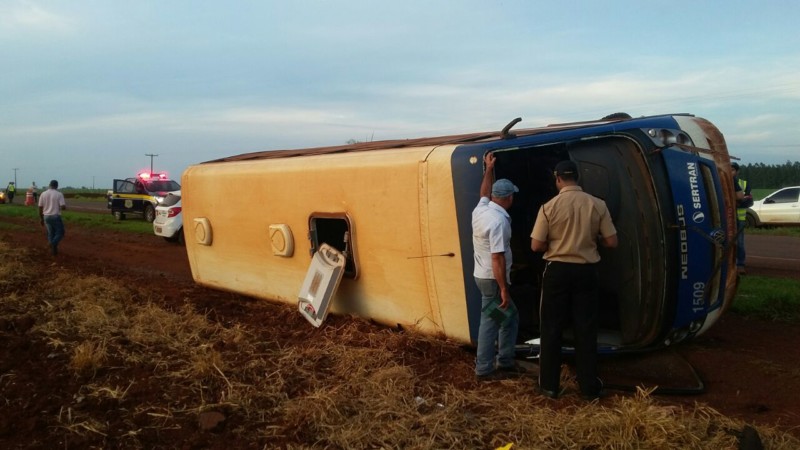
column 286, row 385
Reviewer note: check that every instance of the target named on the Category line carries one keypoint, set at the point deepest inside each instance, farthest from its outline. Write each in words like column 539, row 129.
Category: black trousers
column 569, row 297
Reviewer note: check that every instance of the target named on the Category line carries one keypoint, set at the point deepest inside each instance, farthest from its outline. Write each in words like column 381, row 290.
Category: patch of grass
column 768, row 298
column 84, row 219
column 87, row 357
column 99, row 198
column 16, row 210
column 11, row 226
column 82, row 192
column 774, row 231
column 107, row 221
column 758, row 194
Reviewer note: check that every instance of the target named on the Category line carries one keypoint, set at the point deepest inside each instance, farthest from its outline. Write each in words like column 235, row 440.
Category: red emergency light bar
column 149, row 176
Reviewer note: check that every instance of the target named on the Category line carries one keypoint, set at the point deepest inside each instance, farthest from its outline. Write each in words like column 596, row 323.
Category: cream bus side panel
column 377, row 190
column 448, row 272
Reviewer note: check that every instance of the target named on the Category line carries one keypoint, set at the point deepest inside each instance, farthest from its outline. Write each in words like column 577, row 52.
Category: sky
column 90, row 88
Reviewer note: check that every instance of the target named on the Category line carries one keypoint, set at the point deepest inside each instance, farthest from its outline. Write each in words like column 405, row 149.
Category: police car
column 169, row 220
column 141, row 195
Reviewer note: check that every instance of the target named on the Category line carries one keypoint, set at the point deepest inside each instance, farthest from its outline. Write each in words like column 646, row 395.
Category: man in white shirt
column 51, row 202
column 491, row 237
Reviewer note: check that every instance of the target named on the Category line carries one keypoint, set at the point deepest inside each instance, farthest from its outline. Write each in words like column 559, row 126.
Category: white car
column 169, row 220
column 782, row 207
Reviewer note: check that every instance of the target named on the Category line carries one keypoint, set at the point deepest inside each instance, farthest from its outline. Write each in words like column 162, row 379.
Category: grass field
column 758, row 194
column 89, row 220
column 768, row 298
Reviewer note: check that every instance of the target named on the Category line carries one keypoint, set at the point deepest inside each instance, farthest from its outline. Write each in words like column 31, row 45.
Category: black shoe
column 547, row 393
column 596, row 396
column 491, row 376
column 516, row 369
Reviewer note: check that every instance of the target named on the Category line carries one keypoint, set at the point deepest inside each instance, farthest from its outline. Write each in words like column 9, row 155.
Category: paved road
column 773, row 253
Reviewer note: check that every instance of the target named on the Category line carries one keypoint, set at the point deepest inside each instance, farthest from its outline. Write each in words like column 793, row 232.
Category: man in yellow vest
column 10, row 191
column 743, row 201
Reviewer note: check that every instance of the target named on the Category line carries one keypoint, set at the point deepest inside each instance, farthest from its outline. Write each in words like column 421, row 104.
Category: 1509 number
column 698, row 296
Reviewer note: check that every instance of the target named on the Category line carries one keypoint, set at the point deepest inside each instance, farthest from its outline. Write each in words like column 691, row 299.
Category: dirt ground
column 749, row 368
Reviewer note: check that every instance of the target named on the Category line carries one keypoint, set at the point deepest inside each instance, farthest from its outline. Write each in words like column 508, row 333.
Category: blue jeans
column 494, row 340
column 740, row 253
column 55, row 231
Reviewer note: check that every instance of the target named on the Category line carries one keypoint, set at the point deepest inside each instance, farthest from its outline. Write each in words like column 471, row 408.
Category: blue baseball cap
column 503, row 188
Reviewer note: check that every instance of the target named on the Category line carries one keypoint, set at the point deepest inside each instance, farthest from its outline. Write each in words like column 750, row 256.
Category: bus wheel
column 119, row 215
column 149, row 213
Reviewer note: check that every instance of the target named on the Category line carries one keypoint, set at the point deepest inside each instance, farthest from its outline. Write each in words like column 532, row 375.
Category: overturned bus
column 392, row 220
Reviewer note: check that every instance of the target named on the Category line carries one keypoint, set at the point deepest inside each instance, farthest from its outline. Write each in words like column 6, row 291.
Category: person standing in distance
column 11, row 190
column 567, row 230
column 491, row 238
column 744, row 200
column 51, row 203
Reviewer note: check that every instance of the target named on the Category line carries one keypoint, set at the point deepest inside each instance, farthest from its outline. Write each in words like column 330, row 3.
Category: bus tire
column 149, row 213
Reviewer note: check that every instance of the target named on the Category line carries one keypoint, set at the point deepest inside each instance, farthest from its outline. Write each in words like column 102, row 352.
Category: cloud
column 762, row 120
column 20, row 16
column 278, row 116
column 133, row 121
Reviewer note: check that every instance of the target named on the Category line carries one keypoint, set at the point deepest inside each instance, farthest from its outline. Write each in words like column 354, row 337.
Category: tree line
column 773, row 176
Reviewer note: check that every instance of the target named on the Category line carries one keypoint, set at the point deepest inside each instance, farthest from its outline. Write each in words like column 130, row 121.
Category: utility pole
column 151, row 160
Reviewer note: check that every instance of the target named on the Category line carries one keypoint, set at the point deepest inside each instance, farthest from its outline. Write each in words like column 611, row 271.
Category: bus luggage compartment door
column 320, row 284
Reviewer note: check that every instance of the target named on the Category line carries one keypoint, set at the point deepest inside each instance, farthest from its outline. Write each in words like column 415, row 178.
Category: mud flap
column 321, row 282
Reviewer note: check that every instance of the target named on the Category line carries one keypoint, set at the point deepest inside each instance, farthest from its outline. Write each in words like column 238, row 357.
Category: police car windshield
column 161, row 186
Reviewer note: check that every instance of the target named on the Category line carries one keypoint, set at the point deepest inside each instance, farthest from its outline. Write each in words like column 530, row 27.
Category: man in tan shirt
column 567, row 229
